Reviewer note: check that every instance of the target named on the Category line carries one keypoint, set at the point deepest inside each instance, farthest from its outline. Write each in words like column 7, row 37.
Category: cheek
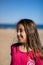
column 24, row 35
column 24, row 38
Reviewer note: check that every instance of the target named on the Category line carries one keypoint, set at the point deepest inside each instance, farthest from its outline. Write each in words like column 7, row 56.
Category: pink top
column 20, row 58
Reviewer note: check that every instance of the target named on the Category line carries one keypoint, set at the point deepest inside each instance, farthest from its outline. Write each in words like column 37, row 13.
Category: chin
column 20, row 41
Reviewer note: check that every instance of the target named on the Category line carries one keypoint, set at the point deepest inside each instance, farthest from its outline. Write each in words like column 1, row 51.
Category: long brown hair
column 32, row 35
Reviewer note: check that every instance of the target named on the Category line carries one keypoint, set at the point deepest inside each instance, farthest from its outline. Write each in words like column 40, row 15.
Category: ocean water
column 14, row 26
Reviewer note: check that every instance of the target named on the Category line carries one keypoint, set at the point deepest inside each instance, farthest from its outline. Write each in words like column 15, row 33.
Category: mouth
column 19, row 39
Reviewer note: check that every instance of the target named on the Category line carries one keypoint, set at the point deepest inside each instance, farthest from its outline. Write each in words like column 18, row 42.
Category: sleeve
column 11, row 55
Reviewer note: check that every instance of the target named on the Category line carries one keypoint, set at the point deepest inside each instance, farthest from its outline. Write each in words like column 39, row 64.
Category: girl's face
column 21, row 34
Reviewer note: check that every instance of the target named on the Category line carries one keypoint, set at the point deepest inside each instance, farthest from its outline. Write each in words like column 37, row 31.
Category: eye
column 20, row 30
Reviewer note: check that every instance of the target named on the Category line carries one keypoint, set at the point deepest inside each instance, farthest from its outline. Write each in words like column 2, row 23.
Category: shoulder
column 15, row 45
column 39, row 60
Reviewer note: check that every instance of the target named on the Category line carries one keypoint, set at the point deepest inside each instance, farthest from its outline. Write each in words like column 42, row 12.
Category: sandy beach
column 7, row 38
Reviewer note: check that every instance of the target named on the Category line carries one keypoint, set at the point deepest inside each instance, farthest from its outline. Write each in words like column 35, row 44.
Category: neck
column 24, row 49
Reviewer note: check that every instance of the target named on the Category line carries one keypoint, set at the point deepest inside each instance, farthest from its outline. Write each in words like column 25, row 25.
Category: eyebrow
column 20, row 29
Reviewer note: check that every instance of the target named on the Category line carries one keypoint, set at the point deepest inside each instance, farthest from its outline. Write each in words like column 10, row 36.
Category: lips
column 19, row 39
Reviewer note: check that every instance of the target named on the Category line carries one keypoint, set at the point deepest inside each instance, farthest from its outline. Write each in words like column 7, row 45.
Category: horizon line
column 39, row 26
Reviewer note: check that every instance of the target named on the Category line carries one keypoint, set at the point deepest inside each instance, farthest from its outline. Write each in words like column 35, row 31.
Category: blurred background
column 11, row 11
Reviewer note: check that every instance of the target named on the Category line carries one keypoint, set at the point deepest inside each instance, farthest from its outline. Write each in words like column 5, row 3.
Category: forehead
column 20, row 26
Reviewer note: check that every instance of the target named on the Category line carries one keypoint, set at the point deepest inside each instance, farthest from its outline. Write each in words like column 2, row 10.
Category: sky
column 11, row 11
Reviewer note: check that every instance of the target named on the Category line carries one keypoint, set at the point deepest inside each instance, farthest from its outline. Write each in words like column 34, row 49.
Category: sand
column 7, row 38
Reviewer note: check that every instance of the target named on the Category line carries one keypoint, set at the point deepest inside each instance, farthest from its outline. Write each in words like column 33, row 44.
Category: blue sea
column 14, row 26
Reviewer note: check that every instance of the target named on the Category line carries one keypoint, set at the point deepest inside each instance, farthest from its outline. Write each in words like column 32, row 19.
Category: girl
column 28, row 50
